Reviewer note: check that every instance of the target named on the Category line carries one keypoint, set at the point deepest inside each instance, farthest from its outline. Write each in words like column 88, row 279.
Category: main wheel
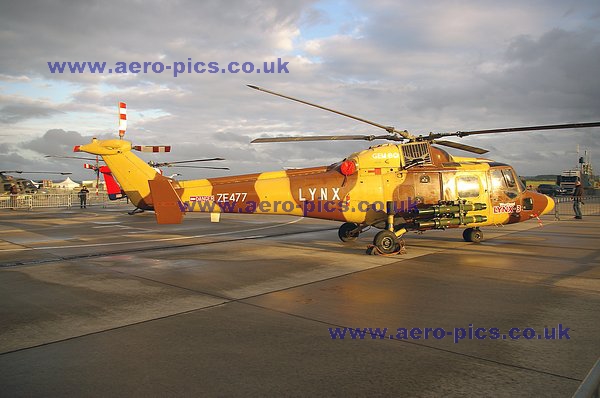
column 386, row 241
column 348, row 232
column 473, row 235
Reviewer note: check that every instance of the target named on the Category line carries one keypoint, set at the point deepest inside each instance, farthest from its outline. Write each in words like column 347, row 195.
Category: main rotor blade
column 70, row 157
column 64, row 173
column 200, row 167
column 327, row 138
column 457, row 145
column 389, row 129
column 513, row 129
column 191, row 161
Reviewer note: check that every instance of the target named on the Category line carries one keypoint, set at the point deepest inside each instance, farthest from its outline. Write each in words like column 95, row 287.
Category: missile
column 440, row 223
column 440, row 210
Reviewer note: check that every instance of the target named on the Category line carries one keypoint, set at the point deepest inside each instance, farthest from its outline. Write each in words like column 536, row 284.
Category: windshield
column 568, row 179
column 504, row 181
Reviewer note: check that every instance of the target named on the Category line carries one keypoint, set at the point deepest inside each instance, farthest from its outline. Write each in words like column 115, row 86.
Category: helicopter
column 410, row 184
column 23, row 185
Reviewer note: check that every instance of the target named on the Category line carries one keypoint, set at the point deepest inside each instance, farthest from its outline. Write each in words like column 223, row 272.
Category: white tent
column 66, row 184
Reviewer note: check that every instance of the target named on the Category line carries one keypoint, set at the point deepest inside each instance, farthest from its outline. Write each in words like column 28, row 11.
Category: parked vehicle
column 551, row 190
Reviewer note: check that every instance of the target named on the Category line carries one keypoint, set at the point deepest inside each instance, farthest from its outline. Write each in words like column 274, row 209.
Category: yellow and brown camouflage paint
column 408, row 175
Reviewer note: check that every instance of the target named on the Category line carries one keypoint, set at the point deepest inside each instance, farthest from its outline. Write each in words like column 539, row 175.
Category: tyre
column 348, row 232
column 386, row 242
column 475, row 235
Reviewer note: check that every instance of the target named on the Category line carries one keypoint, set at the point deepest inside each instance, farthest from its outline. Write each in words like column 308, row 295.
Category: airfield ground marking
column 152, row 240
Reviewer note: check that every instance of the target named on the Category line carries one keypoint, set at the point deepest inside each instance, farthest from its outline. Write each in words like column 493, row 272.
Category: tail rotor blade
column 152, row 148
column 122, row 119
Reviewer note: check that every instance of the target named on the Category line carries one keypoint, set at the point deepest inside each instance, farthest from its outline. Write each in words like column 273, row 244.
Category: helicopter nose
column 549, row 205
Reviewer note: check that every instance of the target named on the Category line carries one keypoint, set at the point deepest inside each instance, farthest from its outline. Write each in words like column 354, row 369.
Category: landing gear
column 349, row 232
column 386, row 242
column 473, row 235
column 389, row 240
column 135, row 211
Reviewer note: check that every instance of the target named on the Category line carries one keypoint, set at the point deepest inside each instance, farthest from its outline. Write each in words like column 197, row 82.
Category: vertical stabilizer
column 167, row 205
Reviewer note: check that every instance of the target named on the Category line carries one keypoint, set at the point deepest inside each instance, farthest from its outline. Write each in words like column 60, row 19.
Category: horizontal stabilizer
column 166, row 202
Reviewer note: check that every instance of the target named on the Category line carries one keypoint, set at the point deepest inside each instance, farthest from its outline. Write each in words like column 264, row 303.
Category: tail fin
column 112, row 186
column 167, row 205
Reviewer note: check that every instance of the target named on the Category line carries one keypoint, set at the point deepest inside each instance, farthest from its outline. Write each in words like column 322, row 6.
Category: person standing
column 14, row 191
column 578, row 200
column 83, row 197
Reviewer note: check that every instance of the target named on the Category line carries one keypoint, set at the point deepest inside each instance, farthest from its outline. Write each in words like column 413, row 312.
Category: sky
column 423, row 66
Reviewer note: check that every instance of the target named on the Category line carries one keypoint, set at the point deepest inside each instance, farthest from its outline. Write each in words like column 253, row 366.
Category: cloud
column 11, row 114
column 428, row 66
column 55, row 142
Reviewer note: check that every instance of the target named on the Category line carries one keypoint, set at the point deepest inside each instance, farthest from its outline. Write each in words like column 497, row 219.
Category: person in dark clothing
column 578, row 200
column 83, row 197
column 14, row 191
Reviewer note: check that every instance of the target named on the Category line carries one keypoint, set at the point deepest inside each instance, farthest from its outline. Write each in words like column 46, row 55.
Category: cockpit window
column 504, row 180
column 513, row 182
column 509, row 178
column 498, row 182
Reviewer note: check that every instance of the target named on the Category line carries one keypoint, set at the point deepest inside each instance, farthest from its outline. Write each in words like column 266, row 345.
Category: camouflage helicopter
column 408, row 185
column 23, row 185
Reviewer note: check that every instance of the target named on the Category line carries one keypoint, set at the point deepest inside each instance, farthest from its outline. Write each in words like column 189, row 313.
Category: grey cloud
column 430, row 66
column 112, row 31
column 56, row 142
column 11, row 114
column 562, row 65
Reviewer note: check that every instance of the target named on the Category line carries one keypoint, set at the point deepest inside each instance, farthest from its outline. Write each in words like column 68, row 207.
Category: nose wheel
column 473, row 235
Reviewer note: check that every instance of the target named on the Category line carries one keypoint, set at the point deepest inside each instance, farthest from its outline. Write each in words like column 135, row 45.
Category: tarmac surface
column 95, row 302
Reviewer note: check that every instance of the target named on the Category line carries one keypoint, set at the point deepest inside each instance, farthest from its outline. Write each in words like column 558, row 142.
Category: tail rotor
column 122, row 119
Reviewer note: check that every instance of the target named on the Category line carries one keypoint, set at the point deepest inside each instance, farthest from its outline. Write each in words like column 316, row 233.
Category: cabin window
column 467, row 186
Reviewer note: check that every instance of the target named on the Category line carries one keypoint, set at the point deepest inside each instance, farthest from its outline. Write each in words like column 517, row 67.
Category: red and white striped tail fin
column 152, row 148
column 122, row 119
